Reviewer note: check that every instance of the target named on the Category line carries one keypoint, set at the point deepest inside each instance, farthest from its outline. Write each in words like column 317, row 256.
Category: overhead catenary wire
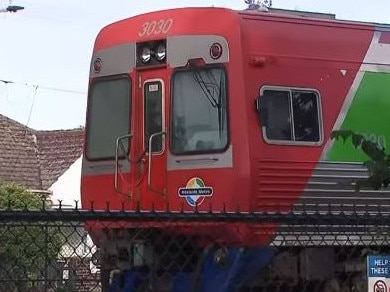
column 26, row 129
column 43, row 87
column 30, row 112
column 32, row 105
column 33, row 99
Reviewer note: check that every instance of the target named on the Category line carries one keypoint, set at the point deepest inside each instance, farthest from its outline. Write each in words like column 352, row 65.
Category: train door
column 151, row 118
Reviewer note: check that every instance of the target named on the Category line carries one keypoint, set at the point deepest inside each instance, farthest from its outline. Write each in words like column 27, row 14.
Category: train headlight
column 146, row 54
column 161, row 52
column 151, row 53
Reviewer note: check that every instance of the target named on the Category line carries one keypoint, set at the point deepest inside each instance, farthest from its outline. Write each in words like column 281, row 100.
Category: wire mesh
column 311, row 249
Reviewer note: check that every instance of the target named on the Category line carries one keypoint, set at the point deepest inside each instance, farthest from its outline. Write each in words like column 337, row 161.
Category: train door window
column 199, row 112
column 108, row 117
column 153, row 102
column 291, row 115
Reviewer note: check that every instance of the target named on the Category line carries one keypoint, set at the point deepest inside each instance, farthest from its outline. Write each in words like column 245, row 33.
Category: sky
column 45, row 49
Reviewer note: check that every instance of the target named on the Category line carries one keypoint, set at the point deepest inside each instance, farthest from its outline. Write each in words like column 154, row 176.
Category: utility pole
column 11, row 8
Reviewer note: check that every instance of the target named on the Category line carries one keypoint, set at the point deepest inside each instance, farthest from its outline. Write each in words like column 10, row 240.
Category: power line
column 28, row 121
column 11, row 8
column 32, row 106
column 43, row 87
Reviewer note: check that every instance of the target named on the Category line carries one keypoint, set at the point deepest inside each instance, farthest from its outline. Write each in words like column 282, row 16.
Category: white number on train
column 156, row 27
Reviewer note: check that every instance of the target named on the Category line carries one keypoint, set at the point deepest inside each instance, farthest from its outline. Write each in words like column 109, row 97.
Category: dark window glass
column 153, row 114
column 306, row 119
column 292, row 115
column 109, row 117
column 199, row 111
column 279, row 115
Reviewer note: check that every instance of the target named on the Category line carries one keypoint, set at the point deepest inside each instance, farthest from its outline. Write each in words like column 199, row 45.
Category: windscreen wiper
column 206, row 88
column 220, row 108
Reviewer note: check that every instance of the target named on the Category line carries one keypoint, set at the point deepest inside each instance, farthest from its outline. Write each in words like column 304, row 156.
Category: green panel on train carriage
column 369, row 114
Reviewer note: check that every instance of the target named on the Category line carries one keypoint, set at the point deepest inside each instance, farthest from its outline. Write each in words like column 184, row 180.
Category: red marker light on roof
column 97, row 65
column 216, row 51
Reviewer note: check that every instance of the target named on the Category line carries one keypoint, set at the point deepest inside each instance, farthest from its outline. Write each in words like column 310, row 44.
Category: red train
column 214, row 108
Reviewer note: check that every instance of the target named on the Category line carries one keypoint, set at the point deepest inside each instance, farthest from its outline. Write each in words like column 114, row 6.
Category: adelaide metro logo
column 195, row 191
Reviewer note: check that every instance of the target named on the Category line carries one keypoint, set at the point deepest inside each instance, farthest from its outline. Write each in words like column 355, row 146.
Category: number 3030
column 156, row 27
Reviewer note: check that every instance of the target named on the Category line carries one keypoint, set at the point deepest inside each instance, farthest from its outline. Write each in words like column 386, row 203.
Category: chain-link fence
column 321, row 248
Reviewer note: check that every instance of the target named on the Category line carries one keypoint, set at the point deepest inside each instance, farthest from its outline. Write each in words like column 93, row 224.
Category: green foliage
column 378, row 163
column 14, row 196
column 26, row 248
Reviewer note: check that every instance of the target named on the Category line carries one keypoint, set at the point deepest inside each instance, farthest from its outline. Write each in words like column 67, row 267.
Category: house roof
column 36, row 159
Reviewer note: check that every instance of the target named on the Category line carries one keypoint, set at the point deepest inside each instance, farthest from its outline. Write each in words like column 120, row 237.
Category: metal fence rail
column 63, row 250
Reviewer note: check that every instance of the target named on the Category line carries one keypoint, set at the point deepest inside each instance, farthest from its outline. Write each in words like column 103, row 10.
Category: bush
column 27, row 249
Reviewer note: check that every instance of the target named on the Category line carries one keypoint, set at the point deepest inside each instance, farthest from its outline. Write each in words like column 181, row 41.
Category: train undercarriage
column 150, row 260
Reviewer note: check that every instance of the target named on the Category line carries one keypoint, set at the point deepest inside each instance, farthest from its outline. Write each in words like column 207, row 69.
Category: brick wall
column 80, row 276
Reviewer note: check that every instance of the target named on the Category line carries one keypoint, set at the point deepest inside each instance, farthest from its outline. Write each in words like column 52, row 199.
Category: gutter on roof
column 42, row 192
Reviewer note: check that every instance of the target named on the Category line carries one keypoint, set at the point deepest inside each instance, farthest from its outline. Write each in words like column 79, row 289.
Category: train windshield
column 199, row 111
column 108, row 117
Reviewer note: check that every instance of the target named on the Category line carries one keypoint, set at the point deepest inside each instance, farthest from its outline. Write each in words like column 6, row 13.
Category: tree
column 27, row 249
column 378, row 162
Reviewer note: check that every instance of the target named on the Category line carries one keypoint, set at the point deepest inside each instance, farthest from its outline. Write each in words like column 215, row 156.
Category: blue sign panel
column 378, row 266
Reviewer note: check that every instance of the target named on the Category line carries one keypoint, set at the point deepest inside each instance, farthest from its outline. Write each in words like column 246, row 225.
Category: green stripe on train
column 369, row 114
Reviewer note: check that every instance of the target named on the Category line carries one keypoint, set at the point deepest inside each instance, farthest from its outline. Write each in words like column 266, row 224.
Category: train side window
column 290, row 115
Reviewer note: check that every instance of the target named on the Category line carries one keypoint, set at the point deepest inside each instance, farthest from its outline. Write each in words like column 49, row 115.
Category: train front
column 158, row 131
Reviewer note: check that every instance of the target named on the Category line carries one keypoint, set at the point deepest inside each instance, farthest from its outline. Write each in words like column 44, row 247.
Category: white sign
column 378, row 273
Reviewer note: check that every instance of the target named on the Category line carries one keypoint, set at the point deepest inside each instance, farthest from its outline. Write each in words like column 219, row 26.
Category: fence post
column 46, row 255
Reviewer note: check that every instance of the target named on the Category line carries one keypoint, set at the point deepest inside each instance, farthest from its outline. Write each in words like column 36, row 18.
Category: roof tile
column 33, row 158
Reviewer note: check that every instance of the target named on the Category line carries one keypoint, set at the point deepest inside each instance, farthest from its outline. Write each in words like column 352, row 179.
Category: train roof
column 273, row 12
column 287, row 13
column 187, row 16
column 309, row 15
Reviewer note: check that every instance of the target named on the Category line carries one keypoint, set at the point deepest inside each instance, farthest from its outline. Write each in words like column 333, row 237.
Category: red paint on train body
column 259, row 51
